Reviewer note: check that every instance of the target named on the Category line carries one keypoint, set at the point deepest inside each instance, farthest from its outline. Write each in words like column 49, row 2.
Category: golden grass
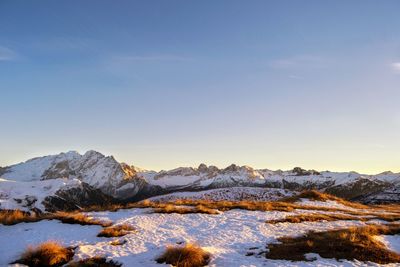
column 352, row 243
column 94, row 262
column 206, row 205
column 11, row 217
column 395, row 208
column 203, row 209
column 189, row 255
column 285, row 204
column 170, row 208
column 105, row 207
column 319, row 196
column 316, row 218
column 229, row 205
column 387, row 217
column 46, row 254
column 116, row 230
column 117, row 242
column 77, row 218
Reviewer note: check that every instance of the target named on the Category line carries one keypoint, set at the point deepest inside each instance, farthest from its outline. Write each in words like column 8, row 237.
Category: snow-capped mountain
column 53, row 182
column 93, row 168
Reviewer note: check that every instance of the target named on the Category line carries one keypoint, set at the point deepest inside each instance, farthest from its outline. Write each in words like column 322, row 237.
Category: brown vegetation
column 319, row 196
column 11, row 217
column 94, row 262
column 77, row 218
column 215, row 205
column 116, row 230
column 46, row 254
column 285, row 204
column 352, row 243
column 316, row 218
column 170, row 208
column 105, row 207
column 118, row 242
column 185, row 256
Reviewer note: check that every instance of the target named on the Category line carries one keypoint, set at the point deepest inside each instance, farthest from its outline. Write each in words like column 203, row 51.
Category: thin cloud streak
column 396, row 67
column 165, row 57
column 7, row 54
column 62, row 43
column 300, row 61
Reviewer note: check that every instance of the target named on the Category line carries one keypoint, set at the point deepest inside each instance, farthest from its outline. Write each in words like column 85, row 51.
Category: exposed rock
column 75, row 198
column 27, row 202
column 386, row 196
column 202, row 168
column 2, row 171
column 302, row 172
column 358, row 188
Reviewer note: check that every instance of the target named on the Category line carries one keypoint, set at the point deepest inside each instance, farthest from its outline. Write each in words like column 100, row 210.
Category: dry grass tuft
column 11, row 217
column 312, row 195
column 95, row 262
column 118, row 242
column 46, row 254
column 352, row 243
column 203, row 209
column 189, row 255
column 78, row 218
column 387, row 217
column 319, row 196
column 106, row 207
column 116, row 230
column 171, row 208
column 211, row 207
column 316, row 218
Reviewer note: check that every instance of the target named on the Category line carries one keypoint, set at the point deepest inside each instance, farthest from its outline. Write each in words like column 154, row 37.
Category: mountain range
column 71, row 180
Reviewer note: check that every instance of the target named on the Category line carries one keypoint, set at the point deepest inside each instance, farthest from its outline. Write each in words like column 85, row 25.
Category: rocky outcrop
column 302, row 172
column 358, row 188
column 2, row 171
column 77, row 197
column 389, row 195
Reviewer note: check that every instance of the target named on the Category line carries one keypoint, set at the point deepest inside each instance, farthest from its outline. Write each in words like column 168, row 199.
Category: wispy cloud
column 6, row 54
column 64, row 43
column 163, row 57
column 396, row 67
column 299, row 61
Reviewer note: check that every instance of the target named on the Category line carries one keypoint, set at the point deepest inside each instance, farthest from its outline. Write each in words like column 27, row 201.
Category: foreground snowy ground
column 228, row 236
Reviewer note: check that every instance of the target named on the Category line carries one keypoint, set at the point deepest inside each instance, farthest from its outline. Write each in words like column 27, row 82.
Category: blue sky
column 161, row 84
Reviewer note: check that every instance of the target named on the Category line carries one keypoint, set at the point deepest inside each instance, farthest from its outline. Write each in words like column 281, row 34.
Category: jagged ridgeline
column 70, row 180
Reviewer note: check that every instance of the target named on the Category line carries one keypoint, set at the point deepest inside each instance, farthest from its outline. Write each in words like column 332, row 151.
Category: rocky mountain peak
column 203, row 168
column 302, row 172
column 232, row 168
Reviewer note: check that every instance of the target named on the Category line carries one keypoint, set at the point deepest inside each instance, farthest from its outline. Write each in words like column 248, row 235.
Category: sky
column 161, row 84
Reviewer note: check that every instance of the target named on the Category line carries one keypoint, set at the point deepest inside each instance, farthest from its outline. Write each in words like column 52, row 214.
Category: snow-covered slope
column 16, row 194
column 235, row 238
column 230, row 193
column 49, row 195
